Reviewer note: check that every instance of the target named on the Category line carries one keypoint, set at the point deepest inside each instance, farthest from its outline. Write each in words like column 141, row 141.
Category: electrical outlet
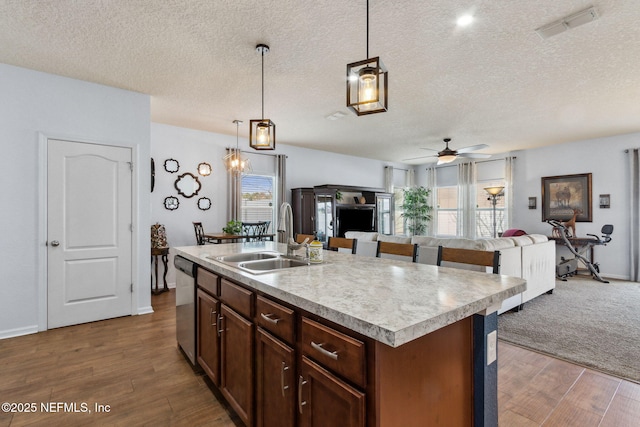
column 492, row 344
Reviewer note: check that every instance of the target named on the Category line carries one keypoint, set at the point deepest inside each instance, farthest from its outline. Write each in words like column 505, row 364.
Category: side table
column 164, row 253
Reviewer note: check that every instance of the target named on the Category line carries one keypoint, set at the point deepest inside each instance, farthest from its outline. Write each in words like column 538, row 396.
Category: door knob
column 55, row 243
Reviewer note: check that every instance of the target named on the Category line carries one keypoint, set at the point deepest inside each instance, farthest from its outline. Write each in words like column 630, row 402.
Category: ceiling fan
column 448, row 155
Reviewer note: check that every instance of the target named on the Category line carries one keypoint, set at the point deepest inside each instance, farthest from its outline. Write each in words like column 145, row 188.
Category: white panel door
column 89, row 233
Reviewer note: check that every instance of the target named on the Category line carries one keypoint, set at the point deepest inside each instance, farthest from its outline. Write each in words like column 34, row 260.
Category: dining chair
column 257, row 229
column 470, row 257
column 200, row 239
column 398, row 249
column 300, row 238
column 342, row 242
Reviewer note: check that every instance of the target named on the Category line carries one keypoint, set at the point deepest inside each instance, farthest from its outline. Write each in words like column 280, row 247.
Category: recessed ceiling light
column 464, row 20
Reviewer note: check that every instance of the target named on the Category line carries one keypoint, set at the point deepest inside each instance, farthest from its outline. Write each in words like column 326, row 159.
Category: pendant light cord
column 367, row 29
column 262, row 54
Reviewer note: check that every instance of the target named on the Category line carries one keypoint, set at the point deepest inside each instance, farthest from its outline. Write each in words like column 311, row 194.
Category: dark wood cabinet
column 275, row 388
column 208, row 346
column 325, row 400
column 303, row 207
column 236, row 363
column 332, row 210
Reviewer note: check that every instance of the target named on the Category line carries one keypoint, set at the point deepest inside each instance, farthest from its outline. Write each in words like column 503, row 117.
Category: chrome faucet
column 286, row 225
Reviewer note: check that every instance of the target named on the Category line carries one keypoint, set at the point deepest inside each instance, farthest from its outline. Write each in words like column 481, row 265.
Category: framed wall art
column 563, row 194
column 171, row 165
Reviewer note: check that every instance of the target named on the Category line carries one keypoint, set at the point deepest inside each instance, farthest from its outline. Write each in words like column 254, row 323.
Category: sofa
column 531, row 257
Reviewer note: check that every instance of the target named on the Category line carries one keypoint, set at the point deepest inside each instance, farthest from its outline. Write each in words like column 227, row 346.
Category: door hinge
column 131, row 227
column 130, row 166
column 132, row 288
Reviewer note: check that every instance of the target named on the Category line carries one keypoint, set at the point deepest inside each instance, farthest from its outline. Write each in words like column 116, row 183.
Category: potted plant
column 416, row 209
column 233, row 227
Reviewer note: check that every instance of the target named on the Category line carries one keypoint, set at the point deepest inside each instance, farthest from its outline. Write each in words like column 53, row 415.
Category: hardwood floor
column 132, row 367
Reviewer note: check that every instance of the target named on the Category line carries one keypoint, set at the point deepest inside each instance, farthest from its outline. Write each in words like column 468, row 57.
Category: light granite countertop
column 390, row 301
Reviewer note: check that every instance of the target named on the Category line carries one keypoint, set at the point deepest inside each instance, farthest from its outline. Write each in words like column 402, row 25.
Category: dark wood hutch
column 331, row 210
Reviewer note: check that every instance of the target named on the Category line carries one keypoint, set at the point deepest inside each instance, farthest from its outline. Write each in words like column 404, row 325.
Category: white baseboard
column 17, row 332
column 145, row 310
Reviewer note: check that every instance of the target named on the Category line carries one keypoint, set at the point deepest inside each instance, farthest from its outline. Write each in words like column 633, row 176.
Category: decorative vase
column 158, row 236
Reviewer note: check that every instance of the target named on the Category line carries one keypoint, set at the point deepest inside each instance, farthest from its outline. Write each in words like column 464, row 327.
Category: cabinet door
column 276, row 382
column 236, row 363
column 325, row 400
column 303, row 205
column 208, row 342
column 325, row 213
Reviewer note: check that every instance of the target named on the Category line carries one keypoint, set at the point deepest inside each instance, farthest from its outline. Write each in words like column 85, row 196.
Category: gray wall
column 305, row 168
column 606, row 160
column 35, row 104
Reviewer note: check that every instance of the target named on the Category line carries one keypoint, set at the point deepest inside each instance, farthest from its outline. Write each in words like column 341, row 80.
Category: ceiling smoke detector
column 568, row 22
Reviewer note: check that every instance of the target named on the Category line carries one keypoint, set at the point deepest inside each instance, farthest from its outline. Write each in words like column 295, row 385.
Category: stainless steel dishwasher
column 186, row 307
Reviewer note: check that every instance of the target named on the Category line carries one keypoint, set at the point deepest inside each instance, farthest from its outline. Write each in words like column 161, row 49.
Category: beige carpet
column 593, row 324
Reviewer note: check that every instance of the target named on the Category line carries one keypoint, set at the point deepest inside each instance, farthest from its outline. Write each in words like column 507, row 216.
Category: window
column 447, row 211
column 484, row 210
column 258, row 199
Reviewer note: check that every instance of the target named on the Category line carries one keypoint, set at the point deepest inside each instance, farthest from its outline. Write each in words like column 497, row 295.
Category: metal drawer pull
column 301, row 382
column 268, row 318
column 282, row 386
column 220, row 329
column 211, row 314
column 331, row 354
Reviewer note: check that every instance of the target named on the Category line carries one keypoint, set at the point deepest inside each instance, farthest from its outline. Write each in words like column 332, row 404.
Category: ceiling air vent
column 568, row 22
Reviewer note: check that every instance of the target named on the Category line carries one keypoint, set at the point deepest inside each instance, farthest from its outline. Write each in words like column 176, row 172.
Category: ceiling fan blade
column 430, row 149
column 472, row 148
column 416, row 158
column 474, row 155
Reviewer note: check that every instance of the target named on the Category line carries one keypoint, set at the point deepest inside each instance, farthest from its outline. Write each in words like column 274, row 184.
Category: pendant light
column 262, row 132
column 233, row 161
column 367, row 83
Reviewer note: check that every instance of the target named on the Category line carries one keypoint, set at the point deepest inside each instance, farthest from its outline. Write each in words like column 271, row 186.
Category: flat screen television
column 355, row 219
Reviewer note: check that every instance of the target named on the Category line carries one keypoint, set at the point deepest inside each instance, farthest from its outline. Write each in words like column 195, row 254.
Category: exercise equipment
column 578, row 247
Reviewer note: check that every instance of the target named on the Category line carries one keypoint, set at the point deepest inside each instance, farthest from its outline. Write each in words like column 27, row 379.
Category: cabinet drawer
column 208, row 281
column 275, row 318
column 236, row 297
column 336, row 351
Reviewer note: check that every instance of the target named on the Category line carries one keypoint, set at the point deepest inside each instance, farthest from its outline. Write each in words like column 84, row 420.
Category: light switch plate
column 492, row 344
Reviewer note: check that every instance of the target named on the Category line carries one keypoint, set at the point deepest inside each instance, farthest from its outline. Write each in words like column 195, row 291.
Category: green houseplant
column 416, row 209
column 233, row 227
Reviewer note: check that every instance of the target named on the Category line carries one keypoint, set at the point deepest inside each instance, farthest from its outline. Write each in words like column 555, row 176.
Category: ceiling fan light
column 446, row 158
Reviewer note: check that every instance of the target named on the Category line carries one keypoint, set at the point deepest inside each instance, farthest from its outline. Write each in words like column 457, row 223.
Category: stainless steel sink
column 260, row 262
column 249, row 256
column 270, row 265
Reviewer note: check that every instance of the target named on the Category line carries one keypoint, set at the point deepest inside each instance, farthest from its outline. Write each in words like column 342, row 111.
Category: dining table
column 234, row 238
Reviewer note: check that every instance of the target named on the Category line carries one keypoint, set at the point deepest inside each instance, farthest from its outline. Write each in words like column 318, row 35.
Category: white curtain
column 388, row 179
column 430, row 184
column 467, row 200
column 509, row 164
column 634, row 217
column 281, row 180
column 409, row 178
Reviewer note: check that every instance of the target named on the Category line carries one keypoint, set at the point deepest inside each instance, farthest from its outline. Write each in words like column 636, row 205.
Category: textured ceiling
column 495, row 82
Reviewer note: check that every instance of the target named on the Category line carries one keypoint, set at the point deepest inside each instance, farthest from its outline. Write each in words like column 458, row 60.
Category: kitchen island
column 367, row 341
